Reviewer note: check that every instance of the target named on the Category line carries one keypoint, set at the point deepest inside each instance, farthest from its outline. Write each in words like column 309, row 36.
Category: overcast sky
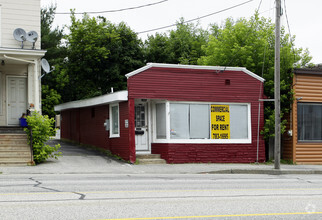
column 304, row 17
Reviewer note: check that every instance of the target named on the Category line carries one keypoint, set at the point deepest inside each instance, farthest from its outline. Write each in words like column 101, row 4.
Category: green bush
column 42, row 129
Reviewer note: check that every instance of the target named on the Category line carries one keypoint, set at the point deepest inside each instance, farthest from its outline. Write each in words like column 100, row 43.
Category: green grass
column 283, row 161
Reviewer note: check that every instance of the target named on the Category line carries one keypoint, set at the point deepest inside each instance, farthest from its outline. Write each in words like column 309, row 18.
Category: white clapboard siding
column 19, row 14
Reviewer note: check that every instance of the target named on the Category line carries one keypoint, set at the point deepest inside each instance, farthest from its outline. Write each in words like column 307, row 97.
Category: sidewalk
column 79, row 160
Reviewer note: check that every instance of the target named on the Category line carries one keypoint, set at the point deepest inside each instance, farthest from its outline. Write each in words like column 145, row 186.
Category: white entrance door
column 17, row 99
column 141, row 128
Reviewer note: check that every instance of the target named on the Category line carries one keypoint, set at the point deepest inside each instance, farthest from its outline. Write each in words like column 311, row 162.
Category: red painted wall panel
column 194, row 85
column 120, row 146
column 86, row 126
column 203, row 86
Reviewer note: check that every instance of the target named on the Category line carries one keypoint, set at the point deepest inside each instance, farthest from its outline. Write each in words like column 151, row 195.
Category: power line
column 253, row 22
column 289, row 31
column 110, row 11
column 194, row 19
column 288, row 25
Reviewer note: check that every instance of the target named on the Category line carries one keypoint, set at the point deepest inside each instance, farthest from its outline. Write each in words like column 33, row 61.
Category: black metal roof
column 317, row 70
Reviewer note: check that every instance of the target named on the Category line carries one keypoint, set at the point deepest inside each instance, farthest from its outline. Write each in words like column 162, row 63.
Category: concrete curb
column 263, row 171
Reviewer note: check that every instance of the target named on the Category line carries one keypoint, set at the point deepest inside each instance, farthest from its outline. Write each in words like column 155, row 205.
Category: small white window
column 1, row 83
column 114, row 121
column 160, row 121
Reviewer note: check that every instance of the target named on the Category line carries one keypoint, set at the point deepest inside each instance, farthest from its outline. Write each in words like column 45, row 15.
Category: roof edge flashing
column 99, row 100
column 181, row 66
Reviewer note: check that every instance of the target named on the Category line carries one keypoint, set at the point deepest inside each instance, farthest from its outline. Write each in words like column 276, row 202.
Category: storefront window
column 203, row 122
column 199, row 121
column 189, row 121
column 179, row 121
column 309, row 117
column 238, row 122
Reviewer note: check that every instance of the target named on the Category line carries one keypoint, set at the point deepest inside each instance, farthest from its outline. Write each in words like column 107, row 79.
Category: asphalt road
column 151, row 196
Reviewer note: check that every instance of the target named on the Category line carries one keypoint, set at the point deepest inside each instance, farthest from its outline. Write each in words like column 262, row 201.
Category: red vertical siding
column 120, row 146
column 86, row 126
column 131, row 130
column 92, row 130
column 203, row 86
column 65, row 124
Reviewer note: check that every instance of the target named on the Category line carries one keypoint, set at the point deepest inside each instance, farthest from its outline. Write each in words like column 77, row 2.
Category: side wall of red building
column 175, row 84
column 86, row 126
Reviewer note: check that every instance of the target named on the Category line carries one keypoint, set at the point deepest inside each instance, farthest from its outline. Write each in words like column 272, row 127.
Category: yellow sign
column 220, row 122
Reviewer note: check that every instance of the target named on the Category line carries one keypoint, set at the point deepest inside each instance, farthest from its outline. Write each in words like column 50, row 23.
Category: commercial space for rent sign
column 220, row 122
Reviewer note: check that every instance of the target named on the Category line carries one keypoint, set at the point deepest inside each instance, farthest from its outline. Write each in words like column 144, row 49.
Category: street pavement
column 80, row 160
column 84, row 184
column 159, row 196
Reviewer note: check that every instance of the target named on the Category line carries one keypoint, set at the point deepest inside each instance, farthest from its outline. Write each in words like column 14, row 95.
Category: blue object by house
column 23, row 122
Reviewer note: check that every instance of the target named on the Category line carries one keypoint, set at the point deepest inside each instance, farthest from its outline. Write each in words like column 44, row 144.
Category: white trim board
column 179, row 66
column 104, row 99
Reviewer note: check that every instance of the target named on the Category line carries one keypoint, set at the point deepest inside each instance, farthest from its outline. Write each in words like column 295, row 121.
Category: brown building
column 303, row 141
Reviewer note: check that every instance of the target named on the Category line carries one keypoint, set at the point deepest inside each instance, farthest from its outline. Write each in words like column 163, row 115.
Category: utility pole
column 277, row 149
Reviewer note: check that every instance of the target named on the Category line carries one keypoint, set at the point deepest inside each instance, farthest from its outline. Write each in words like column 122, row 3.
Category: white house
column 20, row 61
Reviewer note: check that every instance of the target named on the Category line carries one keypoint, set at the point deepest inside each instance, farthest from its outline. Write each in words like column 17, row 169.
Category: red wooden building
column 185, row 113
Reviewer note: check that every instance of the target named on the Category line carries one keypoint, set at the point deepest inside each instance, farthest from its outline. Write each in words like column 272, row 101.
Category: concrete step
column 14, row 147
column 150, row 159
column 16, row 163
column 11, row 154
column 9, row 136
column 148, row 156
column 13, row 142
column 15, row 160
column 13, row 139
column 11, row 130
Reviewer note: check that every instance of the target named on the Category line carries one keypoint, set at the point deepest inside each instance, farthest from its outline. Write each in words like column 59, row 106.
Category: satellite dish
column 45, row 65
column 20, row 35
column 32, row 37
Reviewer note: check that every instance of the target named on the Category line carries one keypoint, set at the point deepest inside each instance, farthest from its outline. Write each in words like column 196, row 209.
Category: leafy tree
column 182, row 45
column 99, row 54
column 51, row 40
column 250, row 44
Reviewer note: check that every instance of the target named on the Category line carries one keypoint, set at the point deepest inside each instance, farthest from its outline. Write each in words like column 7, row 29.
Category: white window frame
column 1, row 86
column 247, row 140
column 111, row 120
column 0, row 25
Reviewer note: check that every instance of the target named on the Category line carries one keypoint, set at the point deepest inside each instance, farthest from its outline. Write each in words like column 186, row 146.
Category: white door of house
column 17, row 99
column 141, row 127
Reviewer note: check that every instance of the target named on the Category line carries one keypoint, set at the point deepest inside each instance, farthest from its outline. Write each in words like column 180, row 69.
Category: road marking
column 156, row 191
column 218, row 216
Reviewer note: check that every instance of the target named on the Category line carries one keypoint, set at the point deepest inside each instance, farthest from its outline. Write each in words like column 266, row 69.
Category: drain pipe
column 18, row 59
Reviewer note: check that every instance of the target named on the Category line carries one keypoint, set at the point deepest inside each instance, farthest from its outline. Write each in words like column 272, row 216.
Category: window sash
column 199, row 121
column 161, row 121
column 179, row 121
column 188, row 130
column 309, row 122
column 114, row 121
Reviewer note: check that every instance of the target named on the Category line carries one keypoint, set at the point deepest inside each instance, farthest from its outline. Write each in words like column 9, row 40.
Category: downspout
column 18, row 59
